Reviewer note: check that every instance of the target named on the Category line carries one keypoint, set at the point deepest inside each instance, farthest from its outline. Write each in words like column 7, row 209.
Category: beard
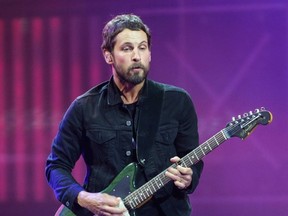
column 130, row 76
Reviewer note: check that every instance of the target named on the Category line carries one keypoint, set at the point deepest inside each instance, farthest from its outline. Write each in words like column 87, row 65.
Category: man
column 126, row 119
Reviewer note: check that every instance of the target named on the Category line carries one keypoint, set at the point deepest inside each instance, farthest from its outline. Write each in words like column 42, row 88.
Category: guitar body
column 121, row 186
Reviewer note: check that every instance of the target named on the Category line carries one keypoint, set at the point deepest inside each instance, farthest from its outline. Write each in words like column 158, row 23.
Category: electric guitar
column 123, row 185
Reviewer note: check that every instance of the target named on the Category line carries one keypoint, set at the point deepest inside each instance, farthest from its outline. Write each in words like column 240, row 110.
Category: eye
column 143, row 47
column 127, row 48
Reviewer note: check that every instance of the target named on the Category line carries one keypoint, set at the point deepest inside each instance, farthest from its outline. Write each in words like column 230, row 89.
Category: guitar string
column 134, row 198
column 145, row 191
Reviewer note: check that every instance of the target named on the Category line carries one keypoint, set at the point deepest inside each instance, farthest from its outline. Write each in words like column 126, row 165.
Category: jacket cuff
column 70, row 197
column 197, row 170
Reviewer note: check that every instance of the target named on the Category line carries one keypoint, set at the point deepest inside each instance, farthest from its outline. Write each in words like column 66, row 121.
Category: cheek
column 148, row 57
column 120, row 60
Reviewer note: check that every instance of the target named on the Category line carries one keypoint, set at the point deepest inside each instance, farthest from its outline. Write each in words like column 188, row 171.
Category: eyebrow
column 129, row 43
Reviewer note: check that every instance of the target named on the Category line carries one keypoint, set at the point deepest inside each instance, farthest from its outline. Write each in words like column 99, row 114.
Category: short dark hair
column 117, row 25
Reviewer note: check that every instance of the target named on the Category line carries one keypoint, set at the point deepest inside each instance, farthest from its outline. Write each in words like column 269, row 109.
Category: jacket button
column 128, row 153
column 67, row 203
column 128, row 123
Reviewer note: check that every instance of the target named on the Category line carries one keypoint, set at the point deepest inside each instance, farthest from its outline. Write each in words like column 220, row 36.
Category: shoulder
column 173, row 95
column 167, row 88
column 94, row 91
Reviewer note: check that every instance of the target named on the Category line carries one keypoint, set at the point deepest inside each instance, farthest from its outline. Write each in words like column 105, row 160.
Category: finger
column 184, row 170
column 108, row 210
column 180, row 172
column 173, row 171
column 181, row 184
column 173, row 174
column 110, row 200
column 113, row 210
column 175, row 159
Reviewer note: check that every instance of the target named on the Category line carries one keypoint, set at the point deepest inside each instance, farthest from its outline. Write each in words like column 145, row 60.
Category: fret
column 140, row 197
column 131, row 204
column 221, row 136
column 136, row 200
column 212, row 143
column 149, row 189
column 161, row 183
column 144, row 193
column 196, row 156
column 199, row 153
column 154, row 188
column 209, row 146
column 146, row 190
column 216, row 140
column 156, row 183
column 205, row 148
column 183, row 162
column 165, row 179
column 191, row 162
column 202, row 150
column 193, row 156
column 134, row 205
column 224, row 134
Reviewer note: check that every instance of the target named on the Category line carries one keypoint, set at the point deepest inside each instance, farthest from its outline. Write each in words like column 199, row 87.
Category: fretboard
column 142, row 194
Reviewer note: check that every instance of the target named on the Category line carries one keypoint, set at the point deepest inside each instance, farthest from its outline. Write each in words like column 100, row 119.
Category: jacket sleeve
column 188, row 138
column 66, row 150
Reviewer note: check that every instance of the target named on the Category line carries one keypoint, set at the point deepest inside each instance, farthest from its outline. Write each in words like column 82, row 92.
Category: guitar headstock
column 243, row 125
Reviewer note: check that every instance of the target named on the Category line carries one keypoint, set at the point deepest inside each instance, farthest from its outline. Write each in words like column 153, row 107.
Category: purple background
column 230, row 55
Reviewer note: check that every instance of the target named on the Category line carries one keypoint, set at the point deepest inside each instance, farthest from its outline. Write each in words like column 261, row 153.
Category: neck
column 130, row 92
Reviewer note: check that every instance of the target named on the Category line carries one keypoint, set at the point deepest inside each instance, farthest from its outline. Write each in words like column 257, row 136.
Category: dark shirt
column 110, row 135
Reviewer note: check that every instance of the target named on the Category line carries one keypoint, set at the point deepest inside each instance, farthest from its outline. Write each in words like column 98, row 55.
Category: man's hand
column 182, row 176
column 101, row 204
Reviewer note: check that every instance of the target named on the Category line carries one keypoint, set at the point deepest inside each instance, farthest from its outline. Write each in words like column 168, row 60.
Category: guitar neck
column 142, row 194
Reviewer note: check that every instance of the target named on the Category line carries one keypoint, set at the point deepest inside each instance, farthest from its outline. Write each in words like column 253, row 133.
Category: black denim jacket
column 98, row 126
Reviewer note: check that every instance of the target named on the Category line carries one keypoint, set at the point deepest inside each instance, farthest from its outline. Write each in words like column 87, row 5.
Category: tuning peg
column 257, row 110
column 239, row 116
column 233, row 118
column 250, row 112
column 262, row 109
column 245, row 115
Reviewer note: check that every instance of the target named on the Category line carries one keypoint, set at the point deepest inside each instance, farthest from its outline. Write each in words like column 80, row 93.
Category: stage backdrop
column 231, row 56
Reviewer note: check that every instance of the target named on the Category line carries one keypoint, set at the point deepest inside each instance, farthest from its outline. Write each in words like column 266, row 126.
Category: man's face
column 131, row 56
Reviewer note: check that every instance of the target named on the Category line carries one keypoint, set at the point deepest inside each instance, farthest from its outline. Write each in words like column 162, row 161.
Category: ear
column 108, row 57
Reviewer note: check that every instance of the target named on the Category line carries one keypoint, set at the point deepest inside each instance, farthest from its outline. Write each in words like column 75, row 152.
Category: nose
column 136, row 56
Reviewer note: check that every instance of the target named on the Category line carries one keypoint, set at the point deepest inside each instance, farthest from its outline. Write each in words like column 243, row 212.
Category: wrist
column 81, row 198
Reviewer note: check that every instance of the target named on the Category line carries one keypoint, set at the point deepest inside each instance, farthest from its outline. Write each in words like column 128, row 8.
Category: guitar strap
column 150, row 106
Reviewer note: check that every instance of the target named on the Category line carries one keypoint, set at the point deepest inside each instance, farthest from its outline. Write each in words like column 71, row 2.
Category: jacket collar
column 114, row 94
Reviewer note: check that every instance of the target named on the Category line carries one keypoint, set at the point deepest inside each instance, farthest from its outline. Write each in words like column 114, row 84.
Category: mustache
column 136, row 65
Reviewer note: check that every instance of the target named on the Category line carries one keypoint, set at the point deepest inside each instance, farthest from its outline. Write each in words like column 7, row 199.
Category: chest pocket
column 100, row 144
column 101, row 136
